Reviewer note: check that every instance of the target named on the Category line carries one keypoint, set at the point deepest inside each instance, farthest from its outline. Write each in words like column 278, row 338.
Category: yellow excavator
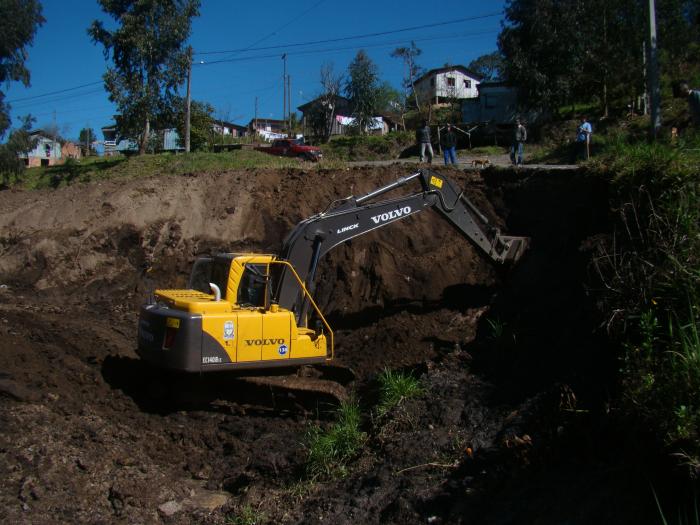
column 247, row 311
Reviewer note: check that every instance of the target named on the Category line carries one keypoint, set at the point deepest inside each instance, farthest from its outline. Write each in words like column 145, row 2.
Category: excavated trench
column 514, row 365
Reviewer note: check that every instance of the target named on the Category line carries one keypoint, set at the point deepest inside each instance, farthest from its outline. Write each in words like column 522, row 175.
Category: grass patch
column 650, row 276
column 104, row 168
column 394, row 387
column 330, row 450
column 368, row 147
column 247, row 515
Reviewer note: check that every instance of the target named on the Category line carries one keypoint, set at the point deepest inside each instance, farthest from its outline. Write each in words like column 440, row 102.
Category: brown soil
column 88, row 433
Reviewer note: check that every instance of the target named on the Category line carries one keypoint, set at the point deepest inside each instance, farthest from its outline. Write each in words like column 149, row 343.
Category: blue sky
column 63, row 56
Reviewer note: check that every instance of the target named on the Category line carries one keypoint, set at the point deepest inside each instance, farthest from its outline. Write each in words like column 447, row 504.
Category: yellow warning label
column 434, row 181
column 172, row 323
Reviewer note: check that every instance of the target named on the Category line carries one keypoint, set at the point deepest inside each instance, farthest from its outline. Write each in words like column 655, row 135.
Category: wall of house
column 439, row 86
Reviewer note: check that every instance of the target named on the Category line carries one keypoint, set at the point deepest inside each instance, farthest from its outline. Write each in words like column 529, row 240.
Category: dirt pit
column 512, row 366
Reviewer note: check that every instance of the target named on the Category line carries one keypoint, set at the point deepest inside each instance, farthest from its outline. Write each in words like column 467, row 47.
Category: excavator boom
column 355, row 216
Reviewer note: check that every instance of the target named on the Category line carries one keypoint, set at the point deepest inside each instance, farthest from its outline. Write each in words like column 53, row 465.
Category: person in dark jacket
column 519, row 138
column 448, row 141
column 423, row 140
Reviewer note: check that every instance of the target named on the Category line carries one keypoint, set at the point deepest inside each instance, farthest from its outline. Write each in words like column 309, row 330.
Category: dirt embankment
column 88, row 435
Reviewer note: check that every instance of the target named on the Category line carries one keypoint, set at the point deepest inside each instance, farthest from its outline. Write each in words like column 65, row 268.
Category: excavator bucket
column 515, row 248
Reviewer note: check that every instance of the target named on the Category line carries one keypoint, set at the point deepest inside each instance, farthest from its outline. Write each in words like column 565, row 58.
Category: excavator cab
column 227, row 320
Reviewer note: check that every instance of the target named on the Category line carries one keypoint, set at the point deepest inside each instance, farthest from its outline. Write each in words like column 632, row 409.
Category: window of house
column 432, row 81
column 450, row 81
column 468, row 84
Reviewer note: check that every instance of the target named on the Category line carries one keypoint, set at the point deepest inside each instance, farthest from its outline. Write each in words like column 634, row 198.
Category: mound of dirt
column 88, row 433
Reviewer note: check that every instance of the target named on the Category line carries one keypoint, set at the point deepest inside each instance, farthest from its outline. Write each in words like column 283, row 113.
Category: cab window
column 253, row 286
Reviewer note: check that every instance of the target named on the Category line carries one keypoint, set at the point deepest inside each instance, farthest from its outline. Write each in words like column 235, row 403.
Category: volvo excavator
column 255, row 312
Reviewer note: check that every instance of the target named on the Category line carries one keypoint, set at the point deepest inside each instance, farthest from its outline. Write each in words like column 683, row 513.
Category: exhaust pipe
column 216, row 291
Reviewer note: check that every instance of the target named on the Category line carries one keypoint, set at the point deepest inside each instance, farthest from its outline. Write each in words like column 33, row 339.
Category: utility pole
column 289, row 96
column 284, row 88
column 255, row 129
column 188, row 103
column 654, row 87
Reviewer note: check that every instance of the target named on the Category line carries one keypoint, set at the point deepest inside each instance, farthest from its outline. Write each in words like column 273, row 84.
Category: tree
column 413, row 70
column 149, row 56
column 18, row 143
column 86, row 137
column 19, row 21
column 490, row 67
column 321, row 114
column 361, row 89
column 201, row 124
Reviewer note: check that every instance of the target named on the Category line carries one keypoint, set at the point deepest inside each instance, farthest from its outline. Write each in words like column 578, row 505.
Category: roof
column 444, row 69
column 228, row 124
column 314, row 101
column 268, row 120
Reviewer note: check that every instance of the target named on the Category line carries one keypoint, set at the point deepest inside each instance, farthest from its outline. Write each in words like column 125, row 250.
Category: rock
column 208, row 500
column 170, row 508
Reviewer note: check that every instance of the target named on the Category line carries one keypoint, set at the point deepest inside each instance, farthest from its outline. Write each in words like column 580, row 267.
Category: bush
column 368, row 147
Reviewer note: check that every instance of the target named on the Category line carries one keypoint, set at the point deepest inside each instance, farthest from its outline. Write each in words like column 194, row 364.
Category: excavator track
column 326, row 381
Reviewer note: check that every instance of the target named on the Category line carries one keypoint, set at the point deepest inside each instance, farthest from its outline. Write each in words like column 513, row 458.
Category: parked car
column 292, row 148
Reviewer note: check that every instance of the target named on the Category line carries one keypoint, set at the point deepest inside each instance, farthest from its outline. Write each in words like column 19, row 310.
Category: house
column 446, row 84
column 71, row 150
column 497, row 103
column 221, row 127
column 331, row 106
column 46, row 151
column 339, row 110
column 161, row 140
column 268, row 128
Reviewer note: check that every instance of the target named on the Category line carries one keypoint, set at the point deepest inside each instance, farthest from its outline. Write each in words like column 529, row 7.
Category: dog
column 481, row 162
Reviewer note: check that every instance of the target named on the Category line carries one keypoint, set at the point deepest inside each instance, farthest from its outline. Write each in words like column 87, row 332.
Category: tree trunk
column 145, row 137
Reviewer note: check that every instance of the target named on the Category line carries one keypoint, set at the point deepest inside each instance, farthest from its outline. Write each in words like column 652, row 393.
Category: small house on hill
column 46, row 151
column 445, row 84
column 498, row 104
column 229, row 129
column 268, row 128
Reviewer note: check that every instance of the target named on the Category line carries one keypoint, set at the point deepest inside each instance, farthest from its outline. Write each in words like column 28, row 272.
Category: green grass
column 330, row 450
column 246, row 516
column 394, row 387
column 368, row 147
column 103, row 168
column 651, row 278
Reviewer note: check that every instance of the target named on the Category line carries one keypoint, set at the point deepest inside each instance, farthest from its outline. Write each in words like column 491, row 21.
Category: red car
column 292, row 148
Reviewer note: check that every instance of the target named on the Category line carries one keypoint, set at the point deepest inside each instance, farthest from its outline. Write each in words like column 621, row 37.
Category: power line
column 354, row 37
column 54, row 92
column 327, row 50
column 274, row 32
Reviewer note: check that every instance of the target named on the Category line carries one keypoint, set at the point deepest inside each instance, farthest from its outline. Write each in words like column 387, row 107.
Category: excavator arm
column 354, row 216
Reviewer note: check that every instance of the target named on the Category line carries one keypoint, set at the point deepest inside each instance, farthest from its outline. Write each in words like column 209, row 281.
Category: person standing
column 448, row 141
column 423, row 140
column 519, row 138
column 693, row 96
column 583, row 139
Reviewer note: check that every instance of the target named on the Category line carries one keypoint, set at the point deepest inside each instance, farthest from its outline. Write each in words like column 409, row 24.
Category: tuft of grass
column 330, row 450
column 246, row 516
column 396, row 386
